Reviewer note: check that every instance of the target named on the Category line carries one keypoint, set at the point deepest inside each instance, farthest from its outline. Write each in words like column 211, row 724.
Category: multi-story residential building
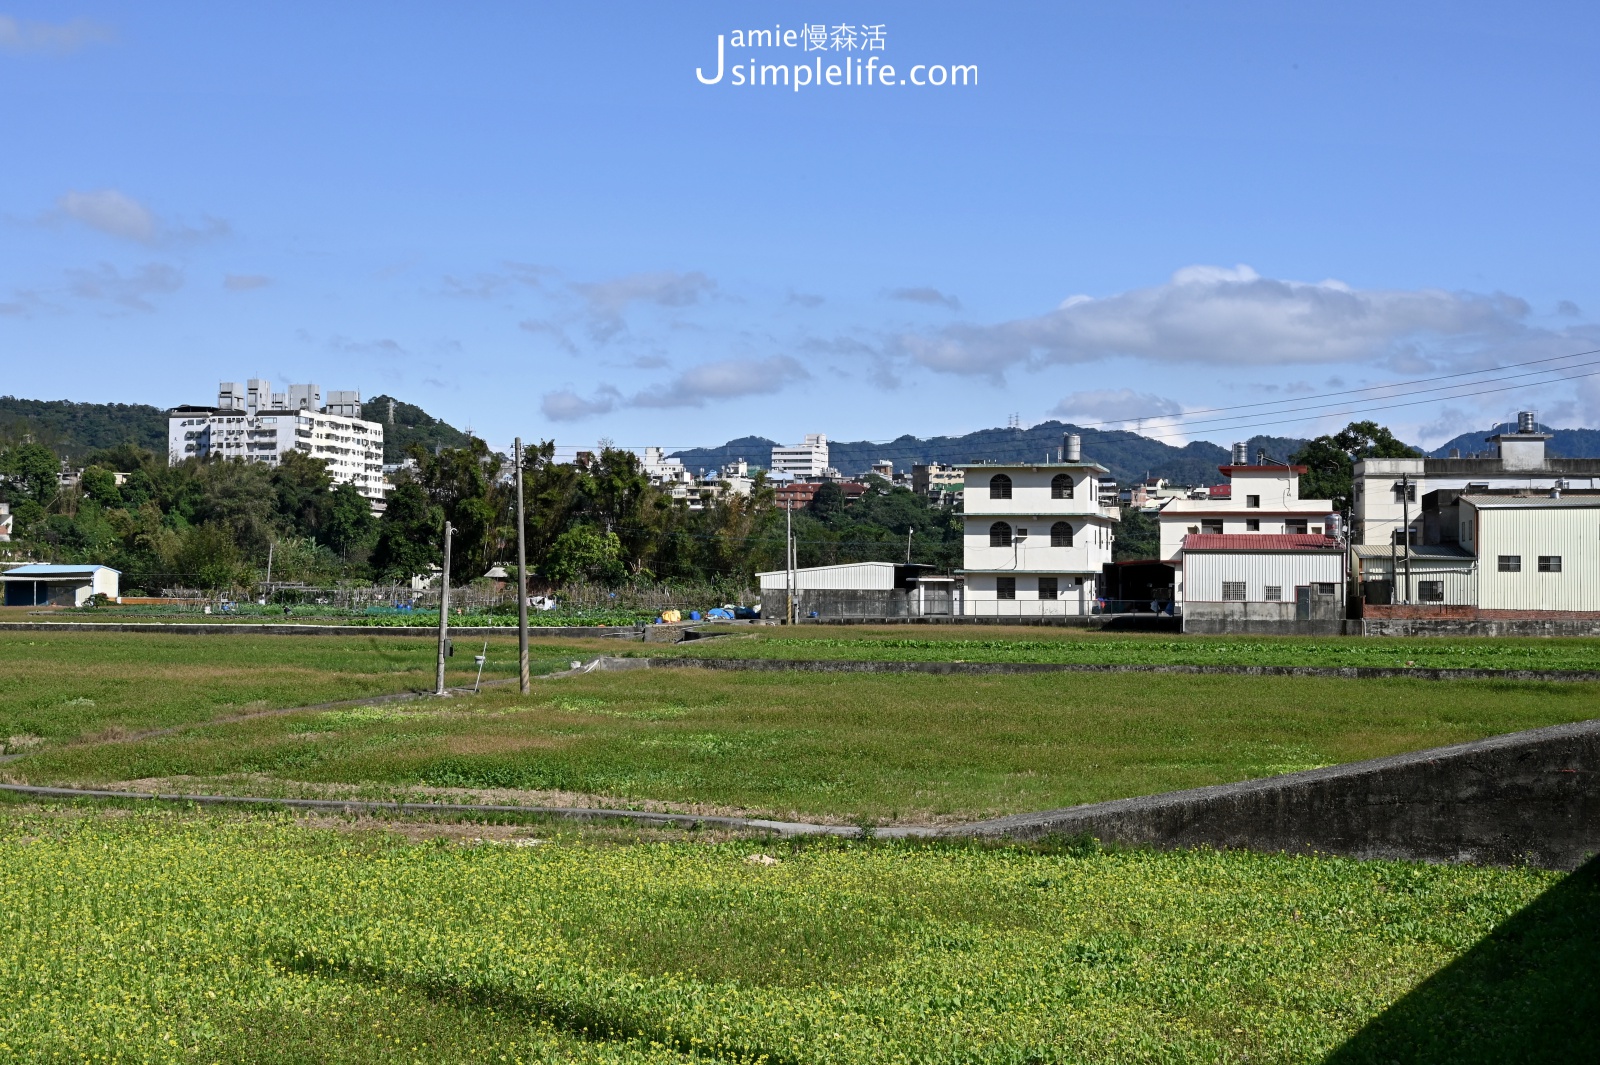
column 936, row 479
column 5, row 522
column 351, row 447
column 807, row 459
column 1036, row 537
column 664, row 472
column 1263, row 500
column 1386, row 493
column 1110, row 495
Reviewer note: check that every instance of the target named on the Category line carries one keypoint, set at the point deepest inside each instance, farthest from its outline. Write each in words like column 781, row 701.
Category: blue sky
column 535, row 219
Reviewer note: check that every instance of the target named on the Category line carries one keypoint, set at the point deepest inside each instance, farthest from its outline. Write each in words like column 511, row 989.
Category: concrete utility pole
column 522, row 582
column 788, row 563
column 1405, row 511
column 444, row 611
column 909, row 532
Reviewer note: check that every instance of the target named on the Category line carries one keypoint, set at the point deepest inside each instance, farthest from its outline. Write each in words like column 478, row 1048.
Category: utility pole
column 1405, row 510
column 909, row 532
column 444, row 611
column 788, row 562
column 271, row 544
column 522, row 582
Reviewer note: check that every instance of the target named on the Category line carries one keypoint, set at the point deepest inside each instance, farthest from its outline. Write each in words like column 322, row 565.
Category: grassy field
column 176, row 937
column 60, row 686
column 837, row 746
column 972, row 643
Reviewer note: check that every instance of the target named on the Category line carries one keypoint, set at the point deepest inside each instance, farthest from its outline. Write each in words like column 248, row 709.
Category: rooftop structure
column 806, row 459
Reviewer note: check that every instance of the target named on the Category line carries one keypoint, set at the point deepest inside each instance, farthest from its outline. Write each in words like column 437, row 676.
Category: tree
column 303, row 490
column 585, row 553
column 31, row 470
column 209, row 558
column 409, row 535
column 349, row 523
column 100, row 485
column 1331, row 459
column 1138, row 536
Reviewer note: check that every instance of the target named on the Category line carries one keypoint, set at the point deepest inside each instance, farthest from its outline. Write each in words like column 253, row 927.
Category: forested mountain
column 405, row 424
column 1127, row 455
column 1564, row 443
column 72, row 430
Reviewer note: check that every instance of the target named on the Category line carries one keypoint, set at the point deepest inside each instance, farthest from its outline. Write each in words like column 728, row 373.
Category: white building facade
column 803, row 460
column 1036, row 537
column 1243, row 582
column 1264, row 501
column 351, row 447
column 1536, row 553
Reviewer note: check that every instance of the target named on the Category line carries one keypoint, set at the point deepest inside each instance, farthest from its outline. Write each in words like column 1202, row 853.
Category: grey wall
column 1530, row 797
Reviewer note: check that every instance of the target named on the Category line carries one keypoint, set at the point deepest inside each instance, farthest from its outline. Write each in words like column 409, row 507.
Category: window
column 1273, row 593
column 1061, row 486
column 1430, row 591
column 1061, row 534
column 1323, row 587
column 1252, row 525
column 1295, row 525
column 1405, row 493
column 1211, row 526
column 1005, row 587
column 999, row 487
column 1549, row 563
column 1253, row 502
column 999, row 535
column 1233, row 591
column 1047, row 587
column 1510, row 563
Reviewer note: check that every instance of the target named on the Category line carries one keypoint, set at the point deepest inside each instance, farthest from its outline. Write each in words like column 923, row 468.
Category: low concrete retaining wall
column 186, row 628
column 1528, row 798
column 844, row 665
column 1481, row 625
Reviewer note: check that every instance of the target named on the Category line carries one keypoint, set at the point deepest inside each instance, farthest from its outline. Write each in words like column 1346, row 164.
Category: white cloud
column 567, row 406
column 725, row 379
column 120, row 215
column 664, row 288
column 1115, row 405
column 131, row 290
column 51, row 38
column 245, row 282
column 694, row 387
column 1223, row 316
column 926, row 295
column 112, row 212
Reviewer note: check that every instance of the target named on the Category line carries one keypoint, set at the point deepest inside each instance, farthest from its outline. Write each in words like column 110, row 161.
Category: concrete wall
column 1530, row 797
column 1485, row 623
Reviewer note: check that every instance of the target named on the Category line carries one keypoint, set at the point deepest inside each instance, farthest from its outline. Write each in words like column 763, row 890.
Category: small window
column 1047, row 587
column 1323, row 587
column 1510, row 563
column 1211, row 526
column 1061, row 534
column 999, row 487
column 999, row 535
column 1233, row 591
column 1061, row 486
column 1430, row 591
column 1273, row 593
column 1005, row 587
column 1295, row 525
column 1253, row 502
column 1549, row 563
column 1405, row 493
column 1252, row 525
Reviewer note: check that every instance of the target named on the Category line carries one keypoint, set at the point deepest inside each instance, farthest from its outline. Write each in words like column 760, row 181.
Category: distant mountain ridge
column 1563, row 443
column 1129, row 456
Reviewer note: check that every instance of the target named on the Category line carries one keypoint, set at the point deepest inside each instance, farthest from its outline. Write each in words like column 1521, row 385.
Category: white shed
column 39, row 584
column 1245, row 582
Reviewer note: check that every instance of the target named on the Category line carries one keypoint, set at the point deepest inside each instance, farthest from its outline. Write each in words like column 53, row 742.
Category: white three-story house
column 1036, row 536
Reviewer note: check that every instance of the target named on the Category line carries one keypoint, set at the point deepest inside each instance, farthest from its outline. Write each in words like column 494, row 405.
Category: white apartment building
column 1036, row 536
column 234, row 428
column 808, row 459
column 1265, row 501
column 1387, row 492
column 664, row 472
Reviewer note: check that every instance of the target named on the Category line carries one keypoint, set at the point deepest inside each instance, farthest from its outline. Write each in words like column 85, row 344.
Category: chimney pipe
column 1261, row 456
column 1072, row 448
column 1241, row 454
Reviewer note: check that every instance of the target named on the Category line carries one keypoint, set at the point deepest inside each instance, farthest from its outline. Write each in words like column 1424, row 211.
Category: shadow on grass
column 1528, row 992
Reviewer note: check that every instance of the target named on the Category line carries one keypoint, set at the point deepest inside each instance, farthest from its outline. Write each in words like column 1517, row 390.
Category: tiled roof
column 1259, row 542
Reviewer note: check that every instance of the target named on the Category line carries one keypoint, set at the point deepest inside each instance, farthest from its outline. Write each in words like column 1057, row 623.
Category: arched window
column 1000, row 487
column 1061, row 486
column 999, row 535
column 1060, row 535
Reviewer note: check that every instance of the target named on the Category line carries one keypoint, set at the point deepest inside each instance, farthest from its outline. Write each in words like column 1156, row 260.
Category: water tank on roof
column 1526, row 422
column 1071, row 448
column 1241, row 454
